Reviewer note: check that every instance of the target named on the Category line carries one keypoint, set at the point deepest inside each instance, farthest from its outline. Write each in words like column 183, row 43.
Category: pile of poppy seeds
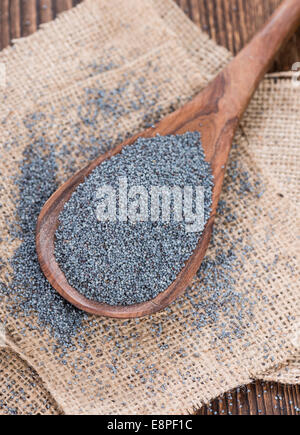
column 123, row 262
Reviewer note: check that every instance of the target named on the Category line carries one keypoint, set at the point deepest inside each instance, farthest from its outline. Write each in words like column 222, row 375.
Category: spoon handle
column 244, row 72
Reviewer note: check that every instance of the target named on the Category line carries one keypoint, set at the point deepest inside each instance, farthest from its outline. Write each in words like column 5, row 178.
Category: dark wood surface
column 231, row 23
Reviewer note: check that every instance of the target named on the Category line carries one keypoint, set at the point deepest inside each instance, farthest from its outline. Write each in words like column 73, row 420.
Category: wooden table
column 230, row 23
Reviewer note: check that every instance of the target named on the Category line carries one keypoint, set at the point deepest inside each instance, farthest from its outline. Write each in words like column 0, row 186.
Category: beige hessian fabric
column 201, row 346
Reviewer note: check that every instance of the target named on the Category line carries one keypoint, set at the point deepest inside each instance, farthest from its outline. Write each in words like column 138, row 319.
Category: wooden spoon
column 215, row 112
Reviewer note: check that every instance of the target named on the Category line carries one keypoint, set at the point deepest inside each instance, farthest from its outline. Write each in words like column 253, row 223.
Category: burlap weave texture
column 183, row 356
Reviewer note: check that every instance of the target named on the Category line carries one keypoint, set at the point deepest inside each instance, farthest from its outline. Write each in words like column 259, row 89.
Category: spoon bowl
column 215, row 112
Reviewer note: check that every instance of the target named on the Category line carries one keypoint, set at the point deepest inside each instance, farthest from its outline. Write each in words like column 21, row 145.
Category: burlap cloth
column 202, row 346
